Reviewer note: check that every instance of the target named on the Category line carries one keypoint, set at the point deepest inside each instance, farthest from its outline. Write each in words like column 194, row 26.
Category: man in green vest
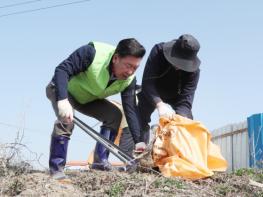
column 82, row 82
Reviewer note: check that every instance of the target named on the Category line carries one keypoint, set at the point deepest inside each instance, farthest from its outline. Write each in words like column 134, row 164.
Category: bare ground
column 18, row 178
column 23, row 181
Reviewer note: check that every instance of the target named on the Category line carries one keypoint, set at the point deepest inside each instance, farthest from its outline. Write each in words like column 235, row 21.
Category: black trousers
column 146, row 109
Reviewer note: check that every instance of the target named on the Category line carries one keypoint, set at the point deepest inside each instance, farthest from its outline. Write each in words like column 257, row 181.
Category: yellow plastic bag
column 183, row 148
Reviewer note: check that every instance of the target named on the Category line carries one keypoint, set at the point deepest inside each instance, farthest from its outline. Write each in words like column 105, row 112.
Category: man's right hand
column 140, row 147
column 164, row 110
column 65, row 111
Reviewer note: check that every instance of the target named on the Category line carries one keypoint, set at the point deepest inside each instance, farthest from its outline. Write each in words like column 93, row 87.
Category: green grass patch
column 223, row 189
column 116, row 189
column 168, row 182
column 255, row 174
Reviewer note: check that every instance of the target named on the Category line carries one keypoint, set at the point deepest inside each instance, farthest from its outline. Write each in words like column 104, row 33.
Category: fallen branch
column 254, row 183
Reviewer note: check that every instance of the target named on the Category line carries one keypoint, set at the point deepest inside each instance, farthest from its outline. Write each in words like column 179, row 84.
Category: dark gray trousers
column 102, row 110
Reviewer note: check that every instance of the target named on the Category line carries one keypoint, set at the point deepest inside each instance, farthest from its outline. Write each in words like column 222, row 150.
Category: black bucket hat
column 182, row 53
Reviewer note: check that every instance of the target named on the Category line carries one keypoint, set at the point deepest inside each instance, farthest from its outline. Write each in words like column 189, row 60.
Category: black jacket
column 162, row 82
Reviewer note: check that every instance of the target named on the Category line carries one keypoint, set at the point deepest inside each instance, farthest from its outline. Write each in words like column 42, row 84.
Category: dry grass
column 25, row 182
column 96, row 183
column 17, row 178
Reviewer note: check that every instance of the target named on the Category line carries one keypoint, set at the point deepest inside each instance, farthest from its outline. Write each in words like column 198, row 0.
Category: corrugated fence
column 233, row 141
column 242, row 143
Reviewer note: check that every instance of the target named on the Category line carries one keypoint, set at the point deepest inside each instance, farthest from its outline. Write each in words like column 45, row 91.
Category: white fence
column 234, row 144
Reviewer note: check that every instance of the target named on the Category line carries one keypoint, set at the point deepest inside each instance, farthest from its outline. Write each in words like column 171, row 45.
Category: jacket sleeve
column 184, row 101
column 150, row 75
column 128, row 97
column 77, row 62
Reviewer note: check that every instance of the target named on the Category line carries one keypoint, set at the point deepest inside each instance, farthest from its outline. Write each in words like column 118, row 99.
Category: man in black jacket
column 169, row 81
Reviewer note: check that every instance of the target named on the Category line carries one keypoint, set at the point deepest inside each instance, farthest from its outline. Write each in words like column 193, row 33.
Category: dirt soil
column 18, row 178
column 23, row 181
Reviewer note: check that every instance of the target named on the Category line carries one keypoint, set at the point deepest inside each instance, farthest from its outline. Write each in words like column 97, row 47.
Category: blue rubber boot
column 58, row 155
column 101, row 154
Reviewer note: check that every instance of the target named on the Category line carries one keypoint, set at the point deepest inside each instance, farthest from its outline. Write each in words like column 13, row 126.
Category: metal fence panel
column 255, row 132
column 233, row 142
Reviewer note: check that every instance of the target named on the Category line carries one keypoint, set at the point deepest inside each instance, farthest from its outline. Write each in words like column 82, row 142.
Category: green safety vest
column 92, row 84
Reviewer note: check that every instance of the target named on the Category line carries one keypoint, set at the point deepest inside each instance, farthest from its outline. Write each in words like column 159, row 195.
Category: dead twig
column 254, row 183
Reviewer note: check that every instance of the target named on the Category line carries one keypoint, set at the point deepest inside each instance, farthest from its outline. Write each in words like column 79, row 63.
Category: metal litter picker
column 129, row 161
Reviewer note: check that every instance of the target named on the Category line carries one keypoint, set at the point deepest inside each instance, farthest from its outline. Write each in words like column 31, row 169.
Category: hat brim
column 183, row 64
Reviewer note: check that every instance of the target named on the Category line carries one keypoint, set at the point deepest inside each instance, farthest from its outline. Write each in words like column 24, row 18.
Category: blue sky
column 33, row 44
